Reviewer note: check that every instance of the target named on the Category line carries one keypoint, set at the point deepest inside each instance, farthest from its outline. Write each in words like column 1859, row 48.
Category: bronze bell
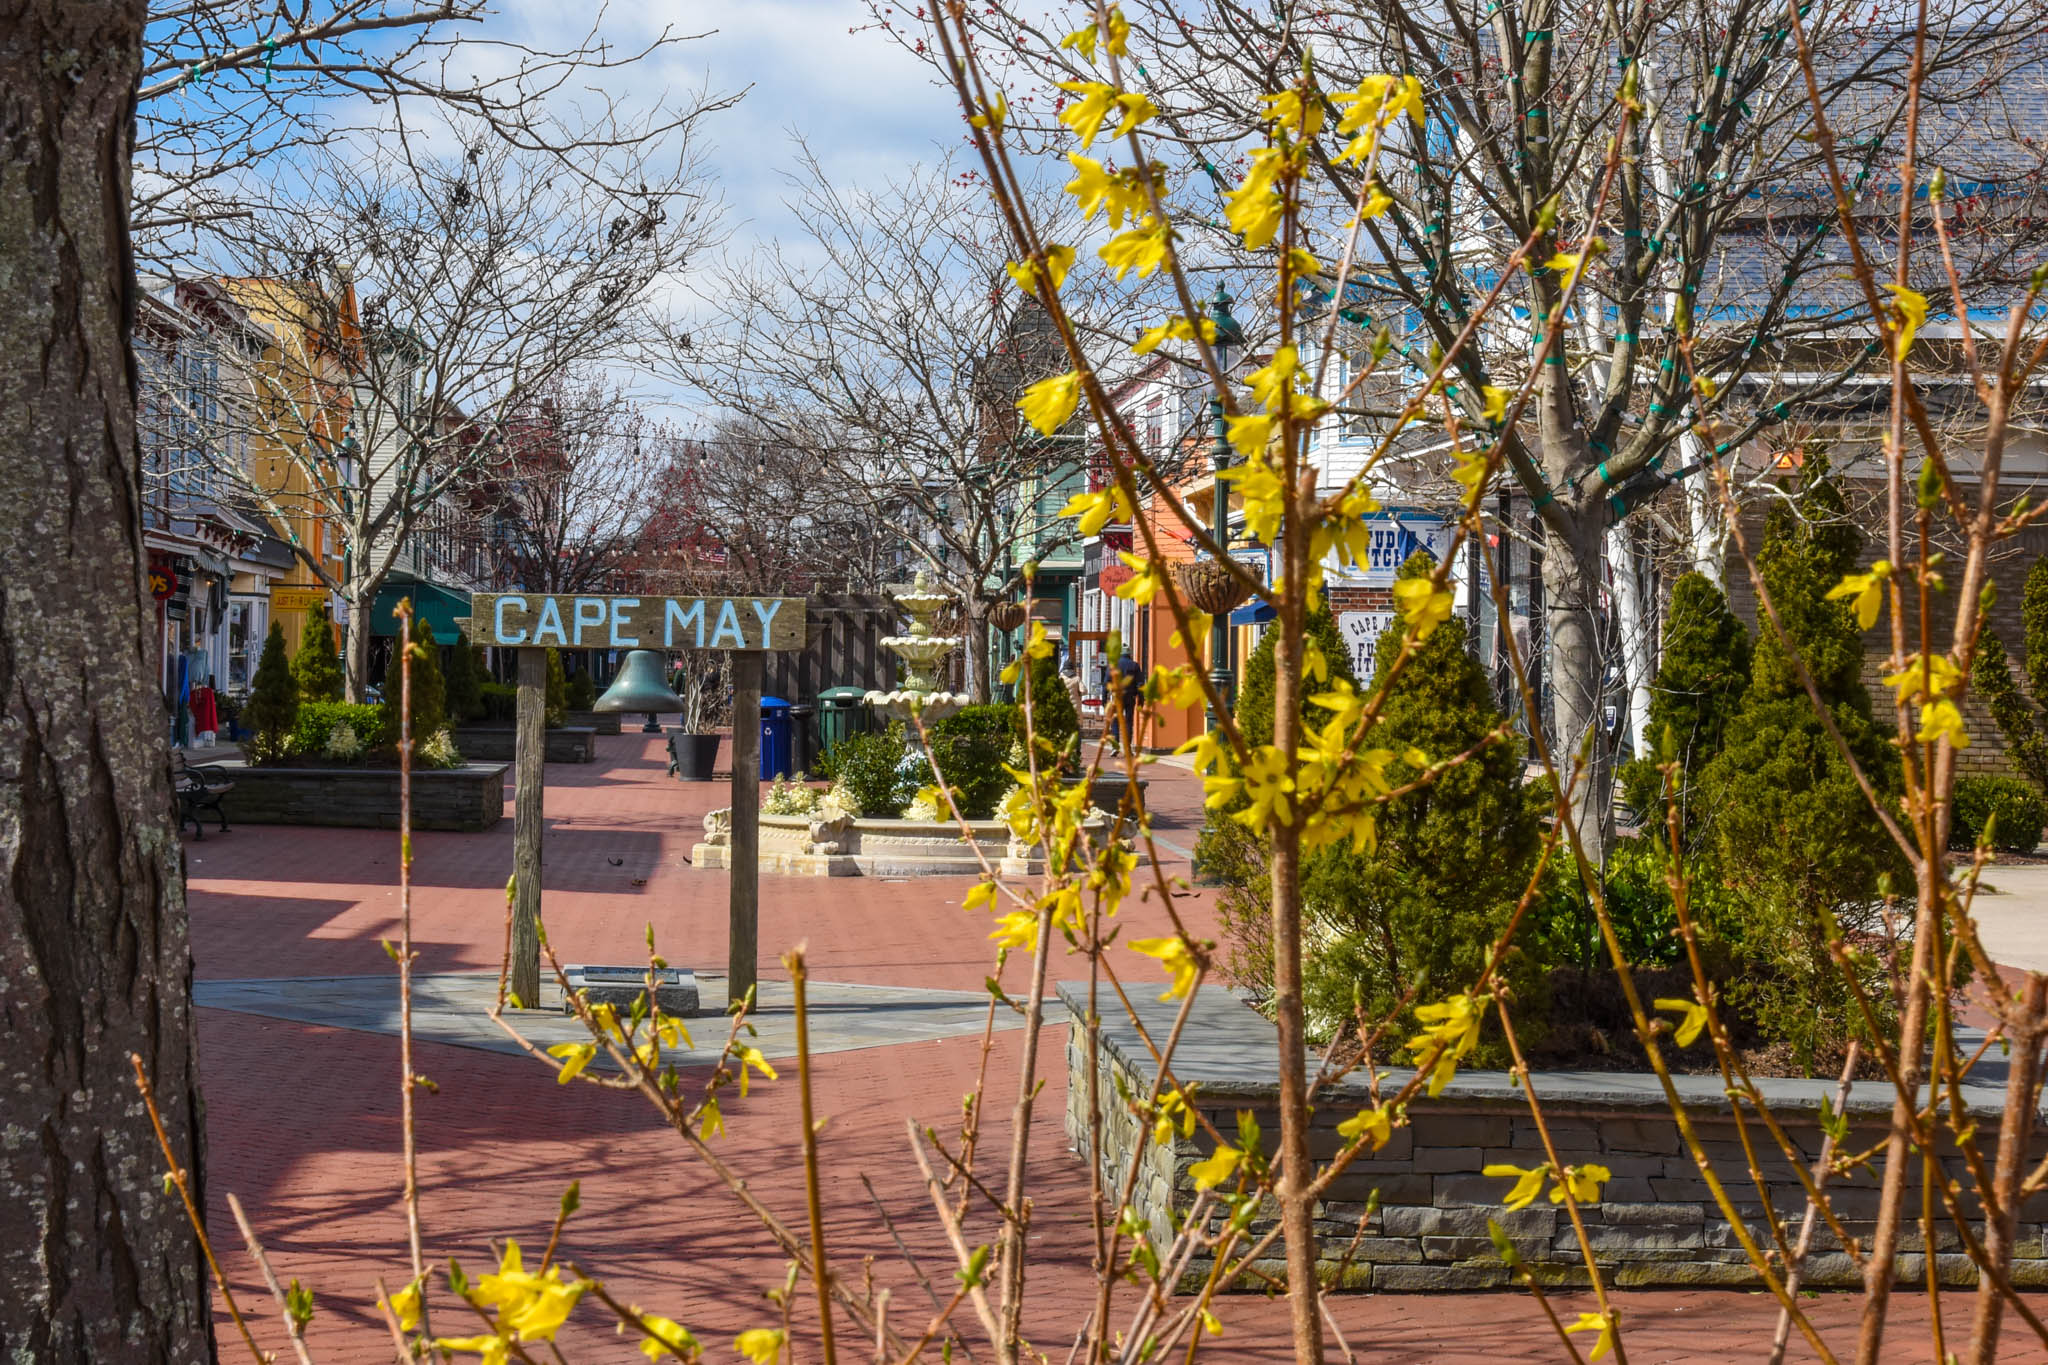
column 641, row 687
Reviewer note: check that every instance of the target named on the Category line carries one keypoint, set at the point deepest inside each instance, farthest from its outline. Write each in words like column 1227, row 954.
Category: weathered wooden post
column 743, row 919
column 748, row 627
column 529, row 755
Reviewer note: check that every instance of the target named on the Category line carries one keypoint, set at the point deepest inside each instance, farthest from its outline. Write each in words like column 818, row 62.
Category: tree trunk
column 355, row 649
column 976, row 649
column 1575, row 668
column 1634, row 599
column 1706, row 520
column 100, row 1263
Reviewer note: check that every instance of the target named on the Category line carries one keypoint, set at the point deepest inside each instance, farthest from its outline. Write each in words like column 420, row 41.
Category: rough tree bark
column 99, row 1264
column 355, row 649
column 1575, row 666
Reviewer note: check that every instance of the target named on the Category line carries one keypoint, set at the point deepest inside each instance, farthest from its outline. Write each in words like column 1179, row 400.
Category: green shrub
column 2018, row 719
column 1791, row 837
column 429, row 698
column 465, row 680
column 1054, row 722
column 2015, row 804
column 317, row 720
column 581, row 694
column 1422, row 909
column 315, row 668
column 864, row 767
column 1698, row 688
column 499, row 702
column 1254, row 702
column 557, row 711
column 1562, row 929
column 273, row 707
column 971, row 748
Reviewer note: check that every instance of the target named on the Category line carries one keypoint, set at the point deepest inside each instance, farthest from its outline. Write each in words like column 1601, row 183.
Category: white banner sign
column 1361, row 632
column 1393, row 541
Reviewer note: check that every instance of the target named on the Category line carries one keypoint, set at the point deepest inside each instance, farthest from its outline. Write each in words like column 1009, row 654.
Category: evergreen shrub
column 971, row 748
column 273, row 708
column 2016, row 805
column 317, row 720
column 429, row 697
column 465, row 680
column 1054, row 721
column 315, row 668
column 864, row 768
column 1696, row 692
column 581, row 693
column 1792, row 839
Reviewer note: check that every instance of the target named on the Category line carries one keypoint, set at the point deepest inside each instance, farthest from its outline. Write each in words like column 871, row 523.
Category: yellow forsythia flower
column 761, row 1344
column 1528, row 1183
column 495, row 1350
column 1172, row 1103
column 1050, row 402
column 575, row 1056
column 1109, row 192
column 542, row 1315
column 1496, row 407
column 1909, row 314
column 1376, row 1124
column 1058, row 260
column 1600, row 1322
column 1866, row 591
column 1585, row 1182
column 1422, row 605
column 1097, row 103
column 663, row 1336
column 1173, row 955
column 405, row 1306
column 1941, row 720
column 1566, row 264
column 1938, row 678
column 1689, row 1027
column 751, row 1057
column 1173, row 329
column 1450, row 1030
column 1290, row 112
column 1018, row 929
column 1380, row 98
column 1142, row 249
column 1215, row 1170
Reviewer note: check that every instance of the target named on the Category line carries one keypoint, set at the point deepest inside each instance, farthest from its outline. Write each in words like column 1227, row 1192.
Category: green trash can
column 841, row 712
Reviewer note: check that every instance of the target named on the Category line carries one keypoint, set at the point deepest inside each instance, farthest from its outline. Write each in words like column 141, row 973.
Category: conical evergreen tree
column 1792, row 837
column 429, row 693
column 2018, row 719
column 273, row 707
column 464, row 681
column 316, row 667
column 1697, row 691
column 556, row 710
column 1425, row 905
column 1254, row 708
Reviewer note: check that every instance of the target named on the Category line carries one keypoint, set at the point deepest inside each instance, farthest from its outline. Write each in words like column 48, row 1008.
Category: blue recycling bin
column 775, row 739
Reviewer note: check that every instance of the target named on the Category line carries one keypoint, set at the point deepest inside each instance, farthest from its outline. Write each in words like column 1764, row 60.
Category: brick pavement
column 302, row 1120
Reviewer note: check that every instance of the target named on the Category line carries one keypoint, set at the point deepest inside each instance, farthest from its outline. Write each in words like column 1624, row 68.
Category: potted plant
column 693, row 744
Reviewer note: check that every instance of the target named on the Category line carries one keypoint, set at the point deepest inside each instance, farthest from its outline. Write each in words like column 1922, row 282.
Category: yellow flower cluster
column 1450, row 1030
column 527, row 1307
column 1934, row 686
column 1583, row 1181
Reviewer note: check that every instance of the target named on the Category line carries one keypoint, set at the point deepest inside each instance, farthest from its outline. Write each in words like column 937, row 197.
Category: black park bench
column 199, row 789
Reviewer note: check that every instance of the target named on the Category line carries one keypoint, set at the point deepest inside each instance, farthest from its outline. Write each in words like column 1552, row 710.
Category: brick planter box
column 471, row 797
column 1657, row 1223
column 497, row 744
column 603, row 722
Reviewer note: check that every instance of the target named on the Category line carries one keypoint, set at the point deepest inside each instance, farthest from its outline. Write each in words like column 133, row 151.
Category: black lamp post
column 1229, row 337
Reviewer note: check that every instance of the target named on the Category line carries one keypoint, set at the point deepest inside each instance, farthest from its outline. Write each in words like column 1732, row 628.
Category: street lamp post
column 1229, row 336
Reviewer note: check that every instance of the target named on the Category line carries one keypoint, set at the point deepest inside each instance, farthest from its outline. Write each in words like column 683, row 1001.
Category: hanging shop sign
column 611, row 621
column 163, row 579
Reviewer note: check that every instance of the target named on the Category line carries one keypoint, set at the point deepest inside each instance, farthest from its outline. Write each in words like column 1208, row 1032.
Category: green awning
column 438, row 607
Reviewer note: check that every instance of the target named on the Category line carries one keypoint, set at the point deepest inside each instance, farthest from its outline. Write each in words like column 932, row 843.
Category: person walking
column 1128, row 681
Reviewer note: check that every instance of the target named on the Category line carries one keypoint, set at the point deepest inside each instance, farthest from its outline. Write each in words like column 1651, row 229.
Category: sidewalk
column 302, row 1116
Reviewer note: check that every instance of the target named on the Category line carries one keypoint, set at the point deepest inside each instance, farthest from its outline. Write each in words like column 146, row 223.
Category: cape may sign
column 605, row 621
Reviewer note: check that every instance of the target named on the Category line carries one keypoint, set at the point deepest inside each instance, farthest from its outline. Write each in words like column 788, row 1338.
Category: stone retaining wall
column 1657, row 1223
column 499, row 744
column 603, row 722
column 471, row 797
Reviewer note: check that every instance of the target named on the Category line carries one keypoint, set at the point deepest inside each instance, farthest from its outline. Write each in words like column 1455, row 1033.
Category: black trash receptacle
column 775, row 738
column 803, row 737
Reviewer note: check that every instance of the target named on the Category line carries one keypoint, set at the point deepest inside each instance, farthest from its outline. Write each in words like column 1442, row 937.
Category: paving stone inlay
column 454, row 1008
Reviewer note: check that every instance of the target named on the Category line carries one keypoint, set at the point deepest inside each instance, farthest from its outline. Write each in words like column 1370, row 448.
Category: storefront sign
column 163, row 579
column 1395, row 539
column 605, row 621
column 297, row 599
column 1361, row 631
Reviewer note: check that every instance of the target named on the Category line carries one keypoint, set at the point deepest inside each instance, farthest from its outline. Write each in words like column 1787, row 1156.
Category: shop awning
column 438, row 607
column 1252, row 614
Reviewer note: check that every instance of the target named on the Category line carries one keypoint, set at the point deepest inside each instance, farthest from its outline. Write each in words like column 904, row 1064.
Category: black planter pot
column 692, row 756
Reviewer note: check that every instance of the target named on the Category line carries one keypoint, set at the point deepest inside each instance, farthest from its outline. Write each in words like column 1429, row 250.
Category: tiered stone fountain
column 819, row 845
column 921, row 652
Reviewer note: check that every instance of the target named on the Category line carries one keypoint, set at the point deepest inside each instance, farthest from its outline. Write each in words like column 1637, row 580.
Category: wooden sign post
column 744, row 626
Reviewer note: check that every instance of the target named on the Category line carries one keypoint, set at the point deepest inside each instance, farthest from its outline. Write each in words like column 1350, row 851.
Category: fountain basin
column 813, row 846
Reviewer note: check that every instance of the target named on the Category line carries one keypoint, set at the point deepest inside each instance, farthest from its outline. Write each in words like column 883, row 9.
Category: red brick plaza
column 303, row 1120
